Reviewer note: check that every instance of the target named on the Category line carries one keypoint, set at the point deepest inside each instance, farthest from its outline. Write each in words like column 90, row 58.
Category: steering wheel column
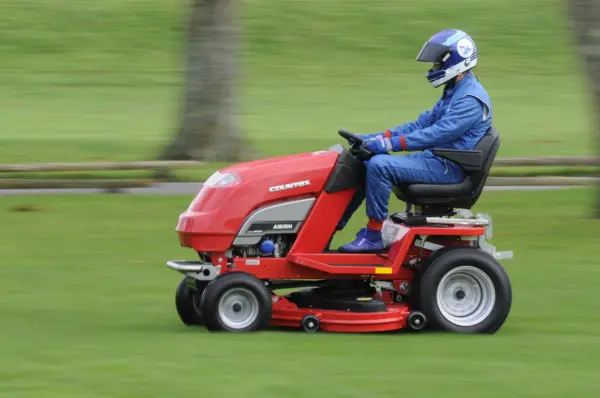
column 355, row 142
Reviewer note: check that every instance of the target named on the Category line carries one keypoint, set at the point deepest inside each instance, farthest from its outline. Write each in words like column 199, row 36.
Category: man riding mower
column 459, row 119
column 265, row 226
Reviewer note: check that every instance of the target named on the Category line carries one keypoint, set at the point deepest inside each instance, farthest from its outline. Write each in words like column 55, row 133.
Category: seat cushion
column 439, row 190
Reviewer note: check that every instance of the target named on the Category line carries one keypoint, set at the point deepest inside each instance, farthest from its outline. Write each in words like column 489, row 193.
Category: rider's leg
column 384, row 171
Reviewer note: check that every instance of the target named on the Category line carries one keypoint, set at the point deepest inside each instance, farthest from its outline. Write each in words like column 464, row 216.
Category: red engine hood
column 221, row 211
column 276, row 163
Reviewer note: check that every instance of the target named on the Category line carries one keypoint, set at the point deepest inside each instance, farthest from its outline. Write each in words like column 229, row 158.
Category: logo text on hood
column 291, row 185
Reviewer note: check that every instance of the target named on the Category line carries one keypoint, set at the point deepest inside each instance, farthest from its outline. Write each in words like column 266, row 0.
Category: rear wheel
column 187, row 301
column 465, row 291
column 236, row 302
column 415, row 289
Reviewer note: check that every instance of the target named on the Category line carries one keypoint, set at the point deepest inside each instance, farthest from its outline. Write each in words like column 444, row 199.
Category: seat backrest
column 488, row 145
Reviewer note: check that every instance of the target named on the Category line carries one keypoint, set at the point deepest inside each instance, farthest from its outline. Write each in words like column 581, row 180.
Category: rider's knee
column 378, row 167
column 377, row 162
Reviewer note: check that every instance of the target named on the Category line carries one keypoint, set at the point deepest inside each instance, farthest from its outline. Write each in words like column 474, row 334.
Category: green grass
column 87, row 311
column 85, row 81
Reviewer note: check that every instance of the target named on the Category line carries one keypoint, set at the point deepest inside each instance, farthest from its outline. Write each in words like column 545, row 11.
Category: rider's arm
column 458, row 119
column 425, row 119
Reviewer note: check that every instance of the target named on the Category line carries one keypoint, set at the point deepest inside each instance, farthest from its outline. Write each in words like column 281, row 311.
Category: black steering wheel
column 355, row 142
column 353, row 139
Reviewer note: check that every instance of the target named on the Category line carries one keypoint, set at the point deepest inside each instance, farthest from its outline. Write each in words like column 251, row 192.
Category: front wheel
column 236, row 302
column 465, row 291
column 187, row 301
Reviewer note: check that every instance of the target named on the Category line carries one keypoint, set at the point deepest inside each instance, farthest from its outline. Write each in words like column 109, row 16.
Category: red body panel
column 321, row 221
column 217, row 213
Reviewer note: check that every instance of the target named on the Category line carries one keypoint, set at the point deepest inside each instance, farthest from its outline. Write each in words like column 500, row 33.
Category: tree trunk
column 208, row 127
column 585, row 22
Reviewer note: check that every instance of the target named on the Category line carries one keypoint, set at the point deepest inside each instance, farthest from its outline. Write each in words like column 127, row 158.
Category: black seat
column 440, row 198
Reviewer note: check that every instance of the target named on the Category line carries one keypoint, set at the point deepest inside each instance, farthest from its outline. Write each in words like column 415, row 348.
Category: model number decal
column 277, row 226
column 283, row 226
column 292, row 185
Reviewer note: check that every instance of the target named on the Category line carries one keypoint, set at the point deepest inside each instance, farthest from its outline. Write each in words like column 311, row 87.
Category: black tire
column 187, row 301
column 416, row 320
column 492, row 277
column 310, row 323
column 253, row 295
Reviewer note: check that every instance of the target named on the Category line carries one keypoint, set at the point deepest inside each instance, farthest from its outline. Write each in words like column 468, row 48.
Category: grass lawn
column 88, row 81
column 87, row 311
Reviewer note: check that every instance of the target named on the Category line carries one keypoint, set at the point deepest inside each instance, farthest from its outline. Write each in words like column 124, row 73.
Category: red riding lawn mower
column 265, row 226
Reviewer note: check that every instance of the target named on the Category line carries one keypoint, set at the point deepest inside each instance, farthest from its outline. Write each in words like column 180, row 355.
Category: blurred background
column 88, row 81
column 86, row 301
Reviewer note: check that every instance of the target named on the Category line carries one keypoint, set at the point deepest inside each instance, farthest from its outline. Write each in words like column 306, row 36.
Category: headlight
column 223, row 180
column 216, row 180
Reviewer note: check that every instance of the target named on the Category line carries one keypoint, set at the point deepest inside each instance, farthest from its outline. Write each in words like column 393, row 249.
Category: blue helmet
column 452, row 52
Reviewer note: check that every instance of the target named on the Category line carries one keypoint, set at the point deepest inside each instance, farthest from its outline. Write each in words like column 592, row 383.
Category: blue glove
column 377, row 145
column 370, row 136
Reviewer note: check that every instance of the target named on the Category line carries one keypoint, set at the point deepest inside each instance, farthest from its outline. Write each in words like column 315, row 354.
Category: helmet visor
column 432, row 52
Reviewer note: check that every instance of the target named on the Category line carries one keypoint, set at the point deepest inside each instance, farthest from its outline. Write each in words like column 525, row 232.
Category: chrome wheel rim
column 466, row 296
column 238, row 308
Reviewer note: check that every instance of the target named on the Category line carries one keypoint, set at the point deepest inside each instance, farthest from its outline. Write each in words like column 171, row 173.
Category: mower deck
column 346, row 314
column 350, row 308
column 392, row 317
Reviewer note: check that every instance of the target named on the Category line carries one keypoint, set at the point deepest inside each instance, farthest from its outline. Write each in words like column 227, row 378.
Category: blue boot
column 359, row 234
column 367, row 241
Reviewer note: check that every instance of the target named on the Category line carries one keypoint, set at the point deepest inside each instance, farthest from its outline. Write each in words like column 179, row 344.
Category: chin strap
column 449, row 84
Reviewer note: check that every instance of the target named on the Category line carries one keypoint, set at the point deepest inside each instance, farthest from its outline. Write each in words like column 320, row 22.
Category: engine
column 268, row 246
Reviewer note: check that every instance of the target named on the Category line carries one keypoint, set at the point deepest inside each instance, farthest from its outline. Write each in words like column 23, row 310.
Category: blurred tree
column 207, row 128
column 585, row 22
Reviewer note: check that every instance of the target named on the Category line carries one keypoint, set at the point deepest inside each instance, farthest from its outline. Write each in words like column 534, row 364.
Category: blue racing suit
column 458, row 120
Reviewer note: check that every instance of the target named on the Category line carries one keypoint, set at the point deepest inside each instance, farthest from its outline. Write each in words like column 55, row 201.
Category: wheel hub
column 416, row 320
column 466, row 296
column 238, row 308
